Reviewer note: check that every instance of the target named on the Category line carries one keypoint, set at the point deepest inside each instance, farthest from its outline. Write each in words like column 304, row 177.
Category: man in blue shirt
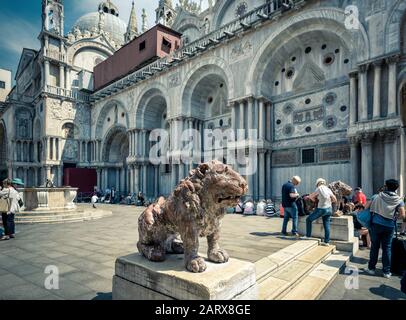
column 289, row 197
column 386, row 208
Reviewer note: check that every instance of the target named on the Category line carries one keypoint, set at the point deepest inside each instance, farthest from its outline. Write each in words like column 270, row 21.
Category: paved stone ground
column 370, row 287
column 85, row 253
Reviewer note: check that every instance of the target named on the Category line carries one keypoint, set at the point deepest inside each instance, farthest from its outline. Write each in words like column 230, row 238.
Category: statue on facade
column 193, row 210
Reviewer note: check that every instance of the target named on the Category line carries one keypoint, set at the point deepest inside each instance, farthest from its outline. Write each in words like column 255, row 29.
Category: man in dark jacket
column 289, row 197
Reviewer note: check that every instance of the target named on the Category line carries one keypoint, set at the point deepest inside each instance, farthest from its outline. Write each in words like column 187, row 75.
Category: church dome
column 106, row 19
column 106, row 22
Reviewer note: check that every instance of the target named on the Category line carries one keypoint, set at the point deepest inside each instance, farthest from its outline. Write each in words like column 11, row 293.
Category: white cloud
column 18, row 35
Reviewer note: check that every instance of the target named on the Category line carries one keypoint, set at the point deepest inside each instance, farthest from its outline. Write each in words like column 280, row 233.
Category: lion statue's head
column 339, row 188
column 213, row 183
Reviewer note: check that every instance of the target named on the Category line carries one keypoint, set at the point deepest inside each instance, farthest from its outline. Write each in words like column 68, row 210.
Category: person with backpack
column 403, row 283
column 325, row 198
column 289, row 196
column 11, row 195
column 385, row 207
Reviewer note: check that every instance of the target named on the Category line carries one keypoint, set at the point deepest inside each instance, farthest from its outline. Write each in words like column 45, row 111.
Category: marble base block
column 136, row 278
column 341, row 228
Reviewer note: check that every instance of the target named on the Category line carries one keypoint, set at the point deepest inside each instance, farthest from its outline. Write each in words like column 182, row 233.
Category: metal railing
column 72, row 94
column 265, row 12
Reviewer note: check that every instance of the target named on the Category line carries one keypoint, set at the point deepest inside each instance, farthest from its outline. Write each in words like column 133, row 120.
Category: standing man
column 289, row 197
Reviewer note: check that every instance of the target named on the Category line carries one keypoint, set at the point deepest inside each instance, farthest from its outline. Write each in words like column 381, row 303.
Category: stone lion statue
column 193, row 210
column 340, row 190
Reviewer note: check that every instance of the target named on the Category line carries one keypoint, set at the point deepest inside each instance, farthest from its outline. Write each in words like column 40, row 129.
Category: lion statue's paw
column 218, row 256
column 196, row 265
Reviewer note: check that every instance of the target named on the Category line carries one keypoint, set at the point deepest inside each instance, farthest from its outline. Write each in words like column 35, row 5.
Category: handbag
column 5, row 204
column 364, row 217
column 20, row 202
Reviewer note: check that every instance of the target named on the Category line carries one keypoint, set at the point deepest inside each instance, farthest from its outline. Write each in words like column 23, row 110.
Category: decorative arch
column 81, row 45
column 393, row 26
column 103, row 115
column 328, row 20
column 150, row 107
column 211, row 65
column 115, row 145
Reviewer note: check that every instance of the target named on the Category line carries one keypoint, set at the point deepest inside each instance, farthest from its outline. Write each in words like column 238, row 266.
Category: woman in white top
column 12, row 196
column 324, row 209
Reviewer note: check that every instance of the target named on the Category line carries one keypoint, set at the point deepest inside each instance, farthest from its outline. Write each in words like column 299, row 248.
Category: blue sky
column 20, row 23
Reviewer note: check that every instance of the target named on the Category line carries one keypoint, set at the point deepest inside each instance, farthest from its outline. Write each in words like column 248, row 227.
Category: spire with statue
column 132, row 28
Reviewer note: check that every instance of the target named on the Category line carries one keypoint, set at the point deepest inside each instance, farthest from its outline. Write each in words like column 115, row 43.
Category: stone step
column 63, row 218
column 282, row 281
column 265, row 266
column 317, row 281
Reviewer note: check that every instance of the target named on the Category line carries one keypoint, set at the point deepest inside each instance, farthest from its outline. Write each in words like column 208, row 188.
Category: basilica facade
column 322, row 83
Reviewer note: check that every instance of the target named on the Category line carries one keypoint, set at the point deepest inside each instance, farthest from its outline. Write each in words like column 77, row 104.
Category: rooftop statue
column 193, row 210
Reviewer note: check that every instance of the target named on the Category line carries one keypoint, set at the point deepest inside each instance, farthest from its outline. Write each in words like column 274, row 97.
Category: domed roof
column 104, row 21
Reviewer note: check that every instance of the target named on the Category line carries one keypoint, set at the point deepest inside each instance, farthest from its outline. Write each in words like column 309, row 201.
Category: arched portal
column 115, row 153
column 205, row 98
column 150, row 178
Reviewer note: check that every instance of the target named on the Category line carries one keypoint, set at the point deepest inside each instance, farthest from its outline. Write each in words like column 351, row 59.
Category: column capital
column 378, row 63
column 354, row 140
column 363, row 68
column 389, row 135
column 393, row 59
column 367, row 138
column 353, row 74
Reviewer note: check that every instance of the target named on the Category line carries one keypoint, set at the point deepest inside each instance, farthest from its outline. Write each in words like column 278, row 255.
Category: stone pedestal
column 136, row 278
column 341, row 228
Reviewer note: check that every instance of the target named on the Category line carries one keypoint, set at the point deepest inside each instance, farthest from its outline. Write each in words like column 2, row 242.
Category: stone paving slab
column 85, row 253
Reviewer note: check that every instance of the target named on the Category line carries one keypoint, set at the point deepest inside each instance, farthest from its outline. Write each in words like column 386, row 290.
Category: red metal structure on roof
column 156, row 43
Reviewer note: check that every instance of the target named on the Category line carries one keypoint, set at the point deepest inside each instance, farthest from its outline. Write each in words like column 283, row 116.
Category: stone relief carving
column 284, row 157
column 174, row 80
column 309, row 115
column 334, row 153
column 241, row 51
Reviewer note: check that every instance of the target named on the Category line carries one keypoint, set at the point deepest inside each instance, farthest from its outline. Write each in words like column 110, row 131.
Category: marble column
column 131, row 178
column 261, row 175
column 46, row 72
column 68, row 79
column 62, row 76
column 392, row 92
column 136, row 143
column 390, row 162
column 353, row 97
column 269, row 123
column 117, row 179
column 26, row 176
column 123, row 188
column 106, row 178
column 355, row 161
column 136, row 179
column 99, row 185
column 234, row 124
column 367, row 164
column 145, row 179
column 268, row 174
column 363, row 92
column 261, row 120
column 47, row 173
column 377, row 89
column 60, row 176
column 250, row 117
column 241, row 134
column 156, row 182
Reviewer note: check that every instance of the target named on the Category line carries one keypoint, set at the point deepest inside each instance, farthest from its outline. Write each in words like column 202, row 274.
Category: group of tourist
column 248, row 207
column 111, row 196
column 386, row 208
column 10, row 202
